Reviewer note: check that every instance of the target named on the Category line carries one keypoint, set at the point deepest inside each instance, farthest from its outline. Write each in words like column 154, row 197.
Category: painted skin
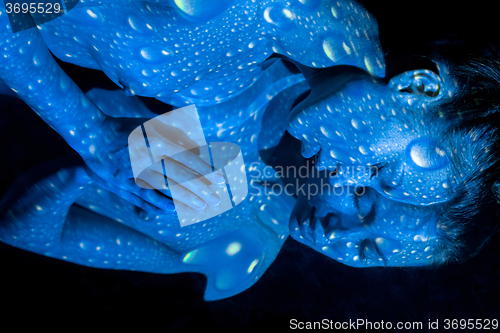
column 166, row 50
column 388, row 168
column 361, row 228
column 56, row 210
column 361, row 127
column 149, row 55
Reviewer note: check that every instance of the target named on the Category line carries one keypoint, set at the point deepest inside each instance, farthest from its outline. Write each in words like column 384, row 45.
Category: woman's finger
column 198, row 162
column 190, row 199
column 157, row 205
column 147, row 193
column 185, row 177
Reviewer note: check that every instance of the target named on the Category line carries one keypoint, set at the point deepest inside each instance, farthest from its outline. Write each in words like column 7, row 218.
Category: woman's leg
column 37, row 214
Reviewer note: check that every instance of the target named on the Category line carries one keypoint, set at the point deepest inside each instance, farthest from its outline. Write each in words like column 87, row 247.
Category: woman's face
column 388, row 168
column 365, row 229
column 376, row 135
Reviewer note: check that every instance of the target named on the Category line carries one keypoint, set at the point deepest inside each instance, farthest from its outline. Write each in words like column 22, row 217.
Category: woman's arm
column 29, row 69
column 37, row 214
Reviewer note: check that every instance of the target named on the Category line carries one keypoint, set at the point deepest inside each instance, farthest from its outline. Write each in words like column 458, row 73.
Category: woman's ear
column 421, row 83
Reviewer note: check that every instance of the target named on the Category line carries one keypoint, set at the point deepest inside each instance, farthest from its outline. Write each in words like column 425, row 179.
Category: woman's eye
column 386, row 185
column 334, row 172
column 375, row 169
column 337, row 169
column 368, row 250
column 361, row 250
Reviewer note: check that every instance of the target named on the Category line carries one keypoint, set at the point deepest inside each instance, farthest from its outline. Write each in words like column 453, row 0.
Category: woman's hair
column 468, row 220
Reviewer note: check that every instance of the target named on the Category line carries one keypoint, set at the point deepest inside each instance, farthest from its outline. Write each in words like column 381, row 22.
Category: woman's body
column 212, row 73
column 56, row 210
column 151, row 49
column 156, row 49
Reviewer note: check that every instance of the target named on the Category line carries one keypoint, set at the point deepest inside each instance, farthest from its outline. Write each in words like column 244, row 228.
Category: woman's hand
column 108, row 163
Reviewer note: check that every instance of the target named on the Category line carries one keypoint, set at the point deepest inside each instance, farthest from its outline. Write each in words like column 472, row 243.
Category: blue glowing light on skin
column 380, row 135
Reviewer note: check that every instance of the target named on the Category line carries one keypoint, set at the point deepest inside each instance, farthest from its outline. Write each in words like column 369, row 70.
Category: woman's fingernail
column 213, row 199
column 206, row 190
column 200, row 203
column 219, row 178
column 171, row 206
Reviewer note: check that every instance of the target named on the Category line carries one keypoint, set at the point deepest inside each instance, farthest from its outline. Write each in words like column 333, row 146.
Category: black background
column 39, row 292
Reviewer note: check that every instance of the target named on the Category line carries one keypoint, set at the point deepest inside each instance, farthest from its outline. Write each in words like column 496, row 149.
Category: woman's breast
column 152, row 51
